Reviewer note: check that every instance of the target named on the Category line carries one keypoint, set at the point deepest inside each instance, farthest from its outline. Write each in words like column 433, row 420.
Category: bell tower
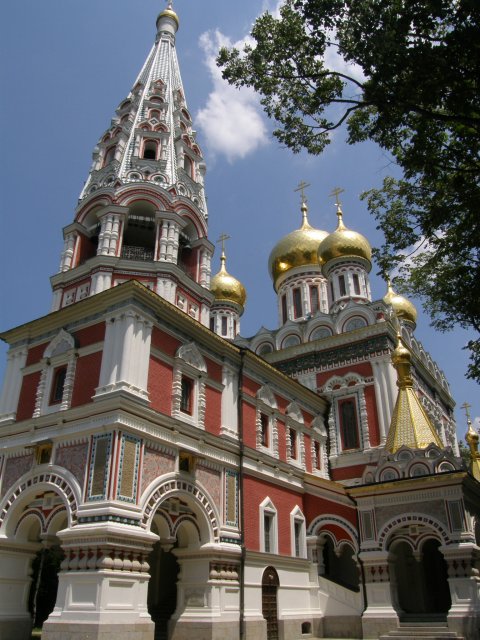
column 142, row 213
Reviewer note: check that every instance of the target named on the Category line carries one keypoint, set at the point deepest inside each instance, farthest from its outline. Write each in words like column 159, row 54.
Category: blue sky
column 65, row 66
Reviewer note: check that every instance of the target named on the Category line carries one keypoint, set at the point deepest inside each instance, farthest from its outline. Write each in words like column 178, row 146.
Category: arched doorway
column 270, row 584
column 420, row 580
column 338, row 565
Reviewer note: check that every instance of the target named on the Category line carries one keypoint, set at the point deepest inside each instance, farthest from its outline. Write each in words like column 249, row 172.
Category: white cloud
column 476, row 423
column 231, row 120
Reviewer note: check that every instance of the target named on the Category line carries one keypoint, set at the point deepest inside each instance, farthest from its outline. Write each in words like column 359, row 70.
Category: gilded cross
column 466, row 406
column 335, row 193
column 301, row 187
column 222, row 239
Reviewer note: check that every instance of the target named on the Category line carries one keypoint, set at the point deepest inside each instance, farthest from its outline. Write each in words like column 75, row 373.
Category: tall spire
column 150, row 138
column 410, row 425
column 142, row 212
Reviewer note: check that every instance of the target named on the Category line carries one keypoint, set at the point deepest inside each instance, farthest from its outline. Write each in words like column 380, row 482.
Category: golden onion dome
column 403, row 308
column 226, row 288
column 344, row 243
column 297, row 249
column 169, row 13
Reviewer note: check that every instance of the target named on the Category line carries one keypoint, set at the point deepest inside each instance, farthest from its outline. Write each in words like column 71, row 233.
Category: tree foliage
column 404, row 74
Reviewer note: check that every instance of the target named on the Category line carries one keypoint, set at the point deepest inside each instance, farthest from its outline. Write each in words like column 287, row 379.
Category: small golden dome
column 344, row 243
column 403, row 308
column 297, row 249
column 226, row 288
column 169, row 13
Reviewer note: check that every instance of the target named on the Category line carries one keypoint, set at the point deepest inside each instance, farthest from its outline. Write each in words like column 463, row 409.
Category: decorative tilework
column 15, row 468
column 231, row 498
column 210, row 479
column 73, row 457
column 155, row 464
column 99, row 467
column 128, row 470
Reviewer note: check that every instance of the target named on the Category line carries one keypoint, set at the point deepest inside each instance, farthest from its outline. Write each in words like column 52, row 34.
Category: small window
column 332, row 291
column 291, row 341
column 317, row 458
column 356, row 284
column 348, row 425
column 268, row 531
column 284, row 309
column 292, row 436
column 43, row 453
column 355, row 323
column 314, row 299
column 188, row 165
column 212, row 324
column 297, row 531
column 297, row 303
column 109, row 156
column 224, row 326
column 150, row 150
column 186, row 397
column 342, row 287
column 58, row 385
column 264, row 430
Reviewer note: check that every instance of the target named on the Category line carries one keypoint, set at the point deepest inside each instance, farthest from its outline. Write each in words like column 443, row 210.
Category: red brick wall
column 282, row 440
column 249, row 425
column 164, row 342
column 316, row 506
column 160, row 381
column 255, row 491
column 35, row 354
column 213, row 410
column 348, row 472
column 87, row 374
column 90, row 335
column 214, row 370
column 250, row 387
column 28, row 392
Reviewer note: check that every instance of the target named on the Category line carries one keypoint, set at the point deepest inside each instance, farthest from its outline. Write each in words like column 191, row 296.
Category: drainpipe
column 360, row 562
column 241, row 501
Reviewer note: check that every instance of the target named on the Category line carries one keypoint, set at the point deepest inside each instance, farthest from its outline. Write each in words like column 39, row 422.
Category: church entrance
column 270, row 584
column 44, row 586
column 162, row 590
column 420, row 581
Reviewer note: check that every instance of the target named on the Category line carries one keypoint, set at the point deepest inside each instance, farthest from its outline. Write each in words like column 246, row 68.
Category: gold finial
column 467, row 408
column 301, row 187
column 334, row 194
column 222, row 238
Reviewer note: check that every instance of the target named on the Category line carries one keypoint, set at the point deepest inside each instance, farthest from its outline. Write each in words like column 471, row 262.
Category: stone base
column 202, row 630
column 342, row 627
column 16, row 629
column 92, row 631
column 374, row 627
column 467, row 626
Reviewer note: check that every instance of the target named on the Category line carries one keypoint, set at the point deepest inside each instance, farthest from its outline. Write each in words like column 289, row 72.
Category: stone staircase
column 418, row 630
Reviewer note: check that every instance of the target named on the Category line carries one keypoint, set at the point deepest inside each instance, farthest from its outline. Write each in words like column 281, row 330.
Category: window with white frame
column 54, row 391
column 294, row 433
column 298, row 533
column 268, row 527
column 266, row 423
column 188, row 397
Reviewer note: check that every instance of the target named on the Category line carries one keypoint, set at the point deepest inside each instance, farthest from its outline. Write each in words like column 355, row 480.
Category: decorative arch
column 293, row 411
column 349, row 380
column 158, row 493
column 391, row 528
column 54, row 478
column 61, row 343
column 320, row 522
column 190, row 354
column 266, row 395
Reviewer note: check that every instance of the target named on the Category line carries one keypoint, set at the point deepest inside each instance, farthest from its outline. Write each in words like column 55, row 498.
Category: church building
column 163, row 477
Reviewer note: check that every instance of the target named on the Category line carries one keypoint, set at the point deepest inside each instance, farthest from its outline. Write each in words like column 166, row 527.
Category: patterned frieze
column 15, row 468
column 73, row 457
column 210, row 480
column 155, row 464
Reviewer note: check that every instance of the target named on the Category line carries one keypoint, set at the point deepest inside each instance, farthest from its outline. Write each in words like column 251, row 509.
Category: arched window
column 354, row 323
column 188, row 165
column 320, row 332
column 290, row 341
column 150, row 149
column 348, row 424
column 109, row 155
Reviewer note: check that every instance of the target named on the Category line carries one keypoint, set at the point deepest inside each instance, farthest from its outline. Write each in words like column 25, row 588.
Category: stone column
column 68, row 251
column 15, row 581
column 380, row 616
column 463, row 564
column 103, row 583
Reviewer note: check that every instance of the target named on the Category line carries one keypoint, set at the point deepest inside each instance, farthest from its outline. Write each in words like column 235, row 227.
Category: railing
column 137, row 253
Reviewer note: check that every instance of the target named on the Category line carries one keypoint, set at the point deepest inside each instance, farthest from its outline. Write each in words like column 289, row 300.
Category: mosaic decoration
column 209, row 479
column 320, row 360
column 99, row 470
column 128, row 470
column 14, row 469
column 73, row 457
column 231, row 498
column 155, row 464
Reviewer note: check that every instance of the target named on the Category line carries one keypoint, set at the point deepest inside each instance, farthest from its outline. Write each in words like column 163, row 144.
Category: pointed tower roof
column 151, row 136
column 410, row 425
